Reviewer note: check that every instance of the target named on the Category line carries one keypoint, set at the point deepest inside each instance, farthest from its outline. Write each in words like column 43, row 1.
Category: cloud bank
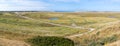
column 48, row 5
column 22, row 5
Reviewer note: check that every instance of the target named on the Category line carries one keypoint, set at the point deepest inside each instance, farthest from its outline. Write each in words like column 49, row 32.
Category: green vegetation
column 50, row 41
column 22, row 29
column 12, row 23
column 102, row 41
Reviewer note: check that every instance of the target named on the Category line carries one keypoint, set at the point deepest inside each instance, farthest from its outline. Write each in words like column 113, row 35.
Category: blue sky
column 60, row 5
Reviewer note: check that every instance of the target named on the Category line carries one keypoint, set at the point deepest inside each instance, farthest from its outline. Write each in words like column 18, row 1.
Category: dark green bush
column 50, row 41
column 1, row 13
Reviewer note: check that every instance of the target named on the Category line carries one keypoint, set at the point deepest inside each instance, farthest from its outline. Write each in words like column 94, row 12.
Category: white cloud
column 22, row 5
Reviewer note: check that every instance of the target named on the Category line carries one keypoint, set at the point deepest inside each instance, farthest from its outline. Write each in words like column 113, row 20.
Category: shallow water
column 53, row 18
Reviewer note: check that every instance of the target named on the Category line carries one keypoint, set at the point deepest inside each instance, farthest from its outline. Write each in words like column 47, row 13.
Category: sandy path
column 7, row 42
column 79, row 27
column 92, row 29
column 117, row 43
column 75, row 35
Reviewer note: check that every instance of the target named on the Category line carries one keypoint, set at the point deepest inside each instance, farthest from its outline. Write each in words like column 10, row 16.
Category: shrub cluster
column 50, row 41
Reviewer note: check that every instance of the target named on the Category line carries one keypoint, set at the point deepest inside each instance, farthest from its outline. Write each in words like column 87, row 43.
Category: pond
column 53, row 18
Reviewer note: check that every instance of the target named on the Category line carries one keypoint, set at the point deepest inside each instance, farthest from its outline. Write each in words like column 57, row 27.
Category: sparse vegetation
column 106, row 27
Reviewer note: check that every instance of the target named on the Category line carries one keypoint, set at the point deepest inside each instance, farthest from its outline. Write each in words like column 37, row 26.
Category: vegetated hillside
column 100, row 14
column 20, row 27
column 101, row 37
column 17, row 28
column 13, row 23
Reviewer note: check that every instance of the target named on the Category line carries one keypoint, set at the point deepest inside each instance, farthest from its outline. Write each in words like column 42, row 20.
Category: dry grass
column 117, row 43
column 16, row 28
column 108, row 34
column 7, row 42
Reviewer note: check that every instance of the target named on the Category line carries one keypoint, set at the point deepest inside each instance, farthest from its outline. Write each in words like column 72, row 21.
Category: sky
column 59, row 5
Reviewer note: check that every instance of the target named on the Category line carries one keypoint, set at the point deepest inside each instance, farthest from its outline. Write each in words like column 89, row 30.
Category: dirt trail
column 79, row 27
column 7, row 42
column 92, row 29
column 75, row 35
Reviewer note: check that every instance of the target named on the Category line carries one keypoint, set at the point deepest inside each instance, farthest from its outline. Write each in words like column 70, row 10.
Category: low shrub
column 50, row 41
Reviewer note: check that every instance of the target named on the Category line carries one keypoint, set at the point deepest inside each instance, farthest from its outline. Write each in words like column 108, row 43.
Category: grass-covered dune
column 12, row 23
column 105, row 36
column 15, row 27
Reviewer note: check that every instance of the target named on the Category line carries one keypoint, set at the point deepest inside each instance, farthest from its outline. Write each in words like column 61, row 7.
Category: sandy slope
column 117, row 43
column 7, row 42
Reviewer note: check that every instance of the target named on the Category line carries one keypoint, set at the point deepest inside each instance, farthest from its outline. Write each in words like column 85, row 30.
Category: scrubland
column 106, row 28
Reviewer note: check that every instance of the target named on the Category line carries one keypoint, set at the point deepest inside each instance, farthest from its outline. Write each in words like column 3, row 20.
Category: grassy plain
column 106, row 25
